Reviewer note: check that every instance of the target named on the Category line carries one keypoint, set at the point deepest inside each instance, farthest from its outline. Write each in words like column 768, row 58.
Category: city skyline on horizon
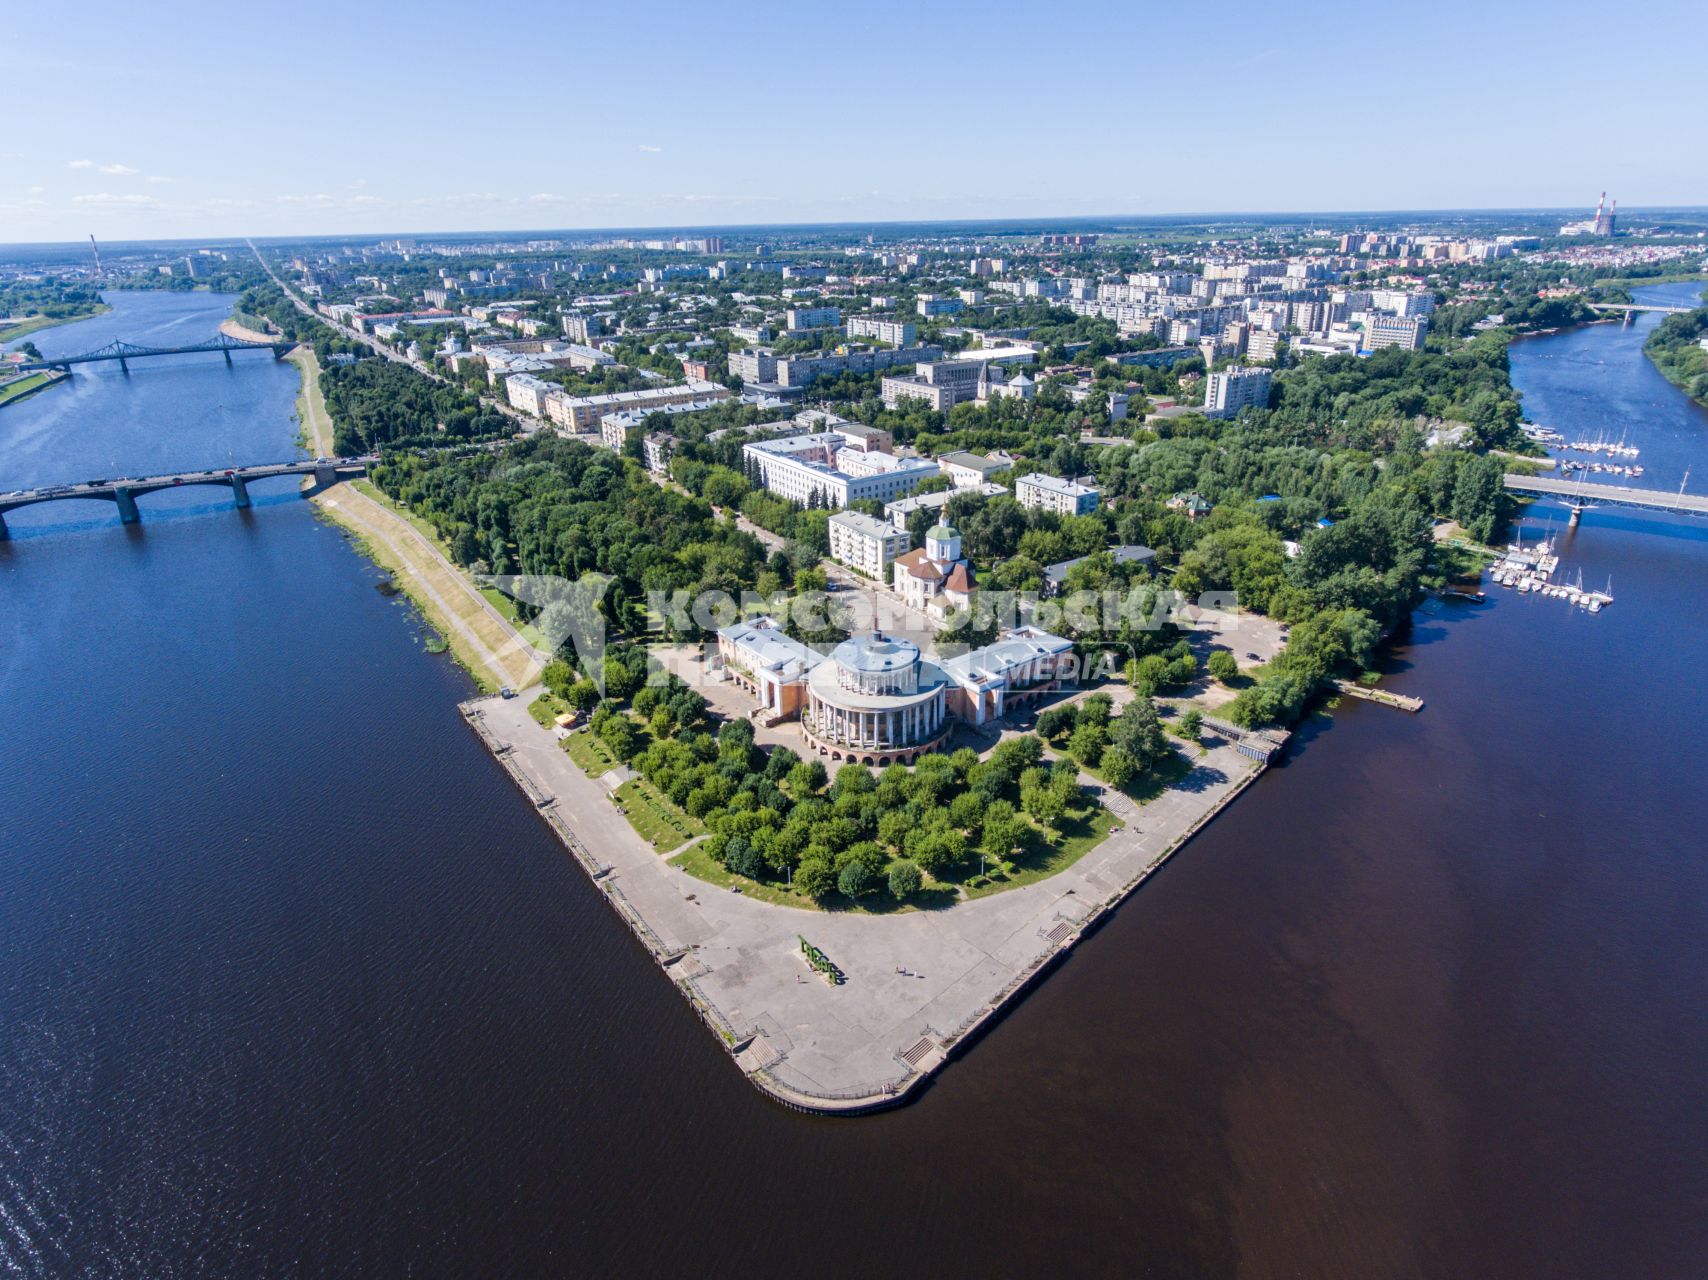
column 785, row 120
column 1209, row 218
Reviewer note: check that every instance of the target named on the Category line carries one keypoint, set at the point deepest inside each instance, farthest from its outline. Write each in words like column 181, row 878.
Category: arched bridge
column 125, row 352
column 123, row 493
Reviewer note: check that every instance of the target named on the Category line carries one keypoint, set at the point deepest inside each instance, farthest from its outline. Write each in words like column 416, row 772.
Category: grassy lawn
column 1083, row 829
column 24, row 386
column 1153, row 781
column 702, row 866
column 507, row 610
column 592, row 755
column 315, row 424
column 546, row 709
column 651, row 813
column 424, row 528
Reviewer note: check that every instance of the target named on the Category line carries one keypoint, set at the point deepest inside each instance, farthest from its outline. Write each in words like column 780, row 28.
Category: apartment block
column 865, row 543
column 1051, row 493
column 1231, row 390
column 898, row 333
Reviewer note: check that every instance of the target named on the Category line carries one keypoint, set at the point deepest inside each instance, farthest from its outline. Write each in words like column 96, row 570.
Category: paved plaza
column 917, row 981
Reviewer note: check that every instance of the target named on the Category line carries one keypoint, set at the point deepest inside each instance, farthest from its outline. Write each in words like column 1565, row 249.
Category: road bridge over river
column 125, row 352
column 1579, row 494
column 124, row 492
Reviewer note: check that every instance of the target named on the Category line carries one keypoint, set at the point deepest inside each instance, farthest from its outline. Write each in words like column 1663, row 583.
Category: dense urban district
column 882, row 606
column 916, row 546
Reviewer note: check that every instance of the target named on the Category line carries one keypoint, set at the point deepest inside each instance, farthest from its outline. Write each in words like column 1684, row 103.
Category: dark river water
column 293, row 982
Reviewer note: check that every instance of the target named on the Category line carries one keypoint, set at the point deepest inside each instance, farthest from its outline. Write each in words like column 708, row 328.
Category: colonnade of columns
column 878, row 730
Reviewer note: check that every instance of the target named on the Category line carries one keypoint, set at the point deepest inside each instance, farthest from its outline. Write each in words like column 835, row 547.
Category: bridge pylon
column 240, row 491
column 128, row 514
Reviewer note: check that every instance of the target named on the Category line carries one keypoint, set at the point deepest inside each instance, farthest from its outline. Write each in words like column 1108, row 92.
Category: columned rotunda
column 875, row 701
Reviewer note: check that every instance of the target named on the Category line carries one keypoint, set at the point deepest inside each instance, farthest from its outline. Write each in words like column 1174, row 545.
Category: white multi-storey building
column 527, row 393
column 582, row 328
column 819, row 468
column 1231, row 390
column 865, row 543
column 582, row 413
column 1051, row 493
column 1404, row 332
column 1403, row 302
column 898, row 333
column 803, row 318
column 753, row 366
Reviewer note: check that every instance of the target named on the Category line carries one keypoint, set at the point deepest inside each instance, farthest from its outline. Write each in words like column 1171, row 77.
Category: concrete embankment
column 24, row 388
column 921, row 985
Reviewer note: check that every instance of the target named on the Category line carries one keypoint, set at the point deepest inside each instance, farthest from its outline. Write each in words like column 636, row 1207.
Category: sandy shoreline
column 231, row 329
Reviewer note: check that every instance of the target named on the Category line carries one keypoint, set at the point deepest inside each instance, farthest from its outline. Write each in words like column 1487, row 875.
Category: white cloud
column 319, row 197
column 544, row 197
column 461, row 198
column 107, row 197
column 366, row 200
column 114, row 170
column 653, row 150
column 157, row 177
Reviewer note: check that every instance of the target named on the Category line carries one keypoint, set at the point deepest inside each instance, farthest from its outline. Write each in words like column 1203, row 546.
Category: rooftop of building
column 1058, row 572
column 992, row 664
column 873, row 651
column 860, row 522
column 771, row 649
column 1055, row 484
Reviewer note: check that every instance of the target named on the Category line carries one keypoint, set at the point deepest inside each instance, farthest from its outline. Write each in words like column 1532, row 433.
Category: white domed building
column 877, row 700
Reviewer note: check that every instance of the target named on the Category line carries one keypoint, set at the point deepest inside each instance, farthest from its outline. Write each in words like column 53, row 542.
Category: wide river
column 294, row 982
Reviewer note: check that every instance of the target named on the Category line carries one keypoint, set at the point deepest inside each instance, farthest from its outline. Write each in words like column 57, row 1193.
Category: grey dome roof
column 873, row 651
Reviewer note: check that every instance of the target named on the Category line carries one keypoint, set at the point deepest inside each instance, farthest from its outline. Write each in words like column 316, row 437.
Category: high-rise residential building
column 898, row 333
column 1403, row 302
column 582, row 328
column 1404, row 332
column 804, row 318
column 1231, row 390
column 1262, row 344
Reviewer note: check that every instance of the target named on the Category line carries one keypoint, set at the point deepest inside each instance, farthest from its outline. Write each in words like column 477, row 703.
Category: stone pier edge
column 734, row 1042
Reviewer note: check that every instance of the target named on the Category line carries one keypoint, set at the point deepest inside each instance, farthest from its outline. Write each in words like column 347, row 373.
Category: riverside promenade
column 870, row 1042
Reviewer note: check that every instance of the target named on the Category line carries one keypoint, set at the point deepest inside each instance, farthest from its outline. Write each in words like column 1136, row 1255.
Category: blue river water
column 293, row 982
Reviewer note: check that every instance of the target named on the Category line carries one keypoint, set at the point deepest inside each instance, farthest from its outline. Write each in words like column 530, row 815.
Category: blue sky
column 169, row 119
